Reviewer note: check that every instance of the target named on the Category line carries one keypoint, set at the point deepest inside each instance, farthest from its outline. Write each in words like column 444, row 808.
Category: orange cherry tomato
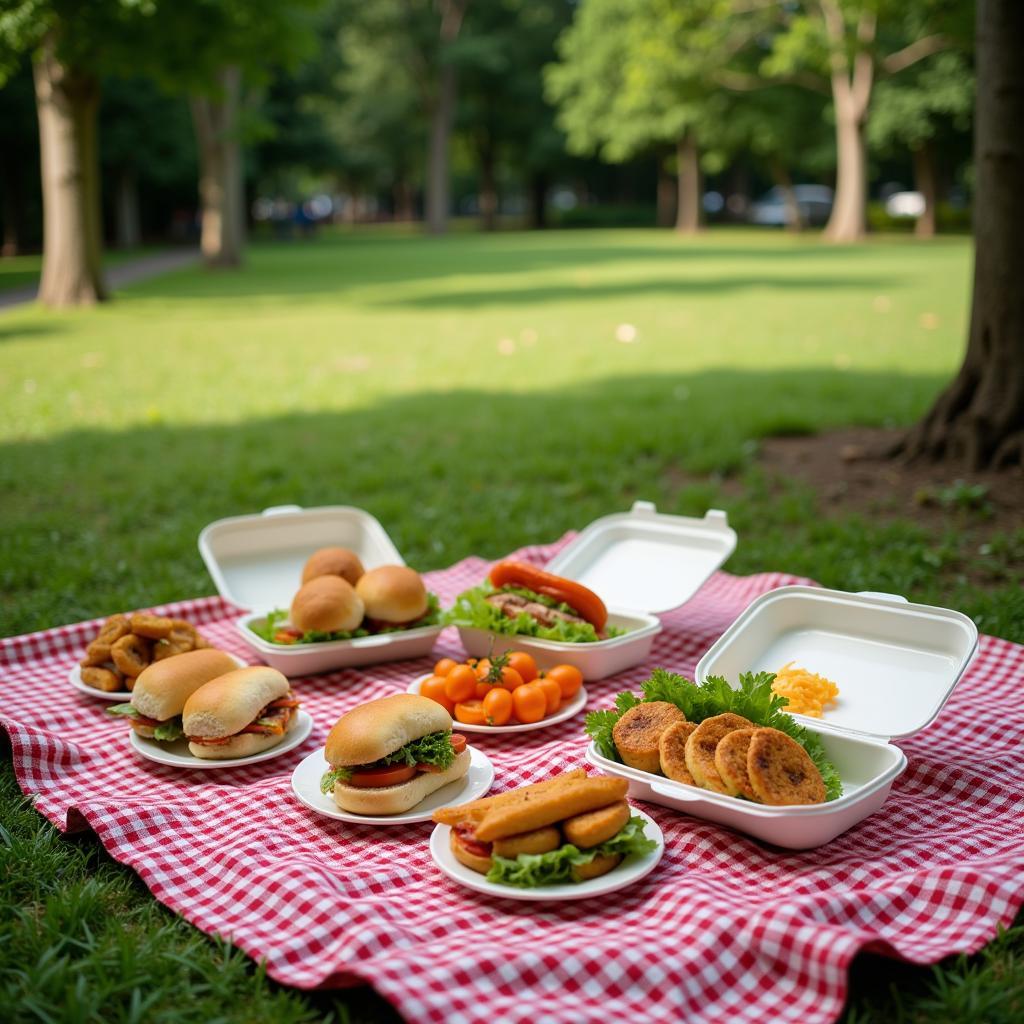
column 470, row 712
column 524, row 665
column 444, row 666
column 529, row 702
column 510, row 679
column 482, row 689
column 552, row 694
column 434, row 689
column 482, row 667
column 460, row 684
column 498, row 706
column 569, row 679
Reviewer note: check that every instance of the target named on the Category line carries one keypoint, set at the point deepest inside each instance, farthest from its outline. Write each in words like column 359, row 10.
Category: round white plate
column 474, row 784
column 75, row 678
column 177, row 754
column 574, row 707
column 631, row 870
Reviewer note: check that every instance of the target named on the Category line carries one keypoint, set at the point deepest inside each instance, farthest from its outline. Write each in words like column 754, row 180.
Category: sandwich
column 333, row 562
column 244, row 712
column 162, row 689
column 387, row 755
column 569, row 829
column 326, row 604
column 394, row 598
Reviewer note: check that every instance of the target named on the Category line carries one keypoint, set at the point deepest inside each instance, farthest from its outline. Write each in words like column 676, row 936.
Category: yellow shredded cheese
column 808, row 693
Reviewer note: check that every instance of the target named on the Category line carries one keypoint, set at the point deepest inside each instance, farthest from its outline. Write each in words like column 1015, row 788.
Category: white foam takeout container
column 895, row 664
column 638, row 562
column 256, row 563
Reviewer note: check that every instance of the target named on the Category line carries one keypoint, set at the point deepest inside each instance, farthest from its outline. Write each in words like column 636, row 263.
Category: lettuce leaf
column 434, row 748
column 753, row 699
column 530, row 870
column 332, row 776
column 169, row 731
column 472, row 609
column 127, row 710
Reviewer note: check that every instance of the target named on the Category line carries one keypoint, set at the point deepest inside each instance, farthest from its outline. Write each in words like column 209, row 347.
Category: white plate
column 631, row 870
column 574, row 707
column 75, row 678
column 177, row 754
column 474, row 784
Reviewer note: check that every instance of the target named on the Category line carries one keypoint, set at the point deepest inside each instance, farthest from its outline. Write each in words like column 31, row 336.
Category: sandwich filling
column 435, row 752
column 167, row 731
column 275, row 628
column 272, row 720
column 529, row 870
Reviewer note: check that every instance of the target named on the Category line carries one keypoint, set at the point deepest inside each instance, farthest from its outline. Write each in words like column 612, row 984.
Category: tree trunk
column 688, row 220
column 665, row 213
column 782, row 178
column 488, row 198
column 11, row 190
column 67, row 100
column 405, row 205
column 538, row 200
column 979, row 418
column 126, row 210
column 848, row 220
column 925, row 181
column 221, row 185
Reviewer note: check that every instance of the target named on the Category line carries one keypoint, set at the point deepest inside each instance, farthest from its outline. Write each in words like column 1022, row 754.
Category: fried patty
column 672, row 752
column 597, row 867
column 595, row 827
column 731, row 762
column 637, row 732
column 701, row 744
column 540, row 840
column 781, row 771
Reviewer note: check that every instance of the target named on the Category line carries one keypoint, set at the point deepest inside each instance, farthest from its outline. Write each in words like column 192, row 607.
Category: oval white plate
column 177, row 754
column 631, row 870
column 574, row 707
column 75, row 678
column 472, row 785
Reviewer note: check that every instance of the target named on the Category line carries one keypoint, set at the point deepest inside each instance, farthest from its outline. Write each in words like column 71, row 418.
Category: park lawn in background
column 475, row 393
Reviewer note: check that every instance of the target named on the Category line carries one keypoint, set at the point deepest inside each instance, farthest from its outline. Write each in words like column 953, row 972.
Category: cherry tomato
column 460, row 684
column 529, row 702
column 497, row 706
column 392, row 775
column 482, row 689
column 458, row 742
column 470, row 712
column 434, row 689
column 568, row 677
column 524, row 665
column 510, row 679
column 482, row 667
column 444, row 666
column 552, row 694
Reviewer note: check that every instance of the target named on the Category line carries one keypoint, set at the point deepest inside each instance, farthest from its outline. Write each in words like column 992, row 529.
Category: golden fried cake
column 781, row 771
column 701, row 744
column 731, row 762
column 637, row 732
column 672, row 752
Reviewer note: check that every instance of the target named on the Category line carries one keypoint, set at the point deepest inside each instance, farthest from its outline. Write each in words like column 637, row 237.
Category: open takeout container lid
column 256, row 560
column 644, row 560
column 895, row 663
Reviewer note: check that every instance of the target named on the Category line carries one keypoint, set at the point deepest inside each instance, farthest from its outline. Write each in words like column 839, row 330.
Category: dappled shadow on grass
column 21, row 330
column 96, row 521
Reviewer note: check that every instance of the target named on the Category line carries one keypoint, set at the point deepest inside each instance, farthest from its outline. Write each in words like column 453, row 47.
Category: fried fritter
column 97, row 653
column 595, row 827
column 731, row 762
column 476, row 809
column 700, row 748
column 131, row 654
column 154, row 627
column 781, row 771
column 597, row 867
column 113, row 629
column 540, row 840
column 102, row 679
column 672, row 752
column 637, row 732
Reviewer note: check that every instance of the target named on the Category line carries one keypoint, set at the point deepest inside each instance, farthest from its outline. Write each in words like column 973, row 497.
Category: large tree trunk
column 538, row 200
column 783, row 179
column 13, row 203
column 688, row 220
column 67, row 100
column 126, row 210
column 665, row 212
column 221, row 185
column 488, row 198
column 979, row 418
column 924, row 180
column 404, row 200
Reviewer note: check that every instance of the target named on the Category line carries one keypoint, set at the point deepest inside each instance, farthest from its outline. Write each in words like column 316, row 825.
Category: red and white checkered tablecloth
column 725, row 929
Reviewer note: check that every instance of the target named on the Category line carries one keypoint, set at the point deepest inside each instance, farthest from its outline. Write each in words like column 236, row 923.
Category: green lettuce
column 529, row 870
column 127, row 710
column 167, row 732
column 435, row 748
column 277, row 618
column 472, row 609
column 753, row 699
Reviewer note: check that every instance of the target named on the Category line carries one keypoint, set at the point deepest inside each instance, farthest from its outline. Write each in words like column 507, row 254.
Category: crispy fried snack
column 781, row 771
column 637, row 732
column 153, row 627
column 549, row 806
column 129, row 683
column 97, row 653
column 541, row 840
column 131, row 654
column 102, row 679
column 476, row 809
column 595, row 827
column 701, row 744
column 168, row 648
column 672, row 752
column 731, row 762
column 113, row 629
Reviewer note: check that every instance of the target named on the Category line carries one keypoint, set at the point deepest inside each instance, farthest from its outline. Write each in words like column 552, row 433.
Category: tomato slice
column 464, row 837
column 377, row 778
column 458, row 742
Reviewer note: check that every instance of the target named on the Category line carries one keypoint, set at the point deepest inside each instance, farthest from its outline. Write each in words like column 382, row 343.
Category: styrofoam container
column 256, row 563
column 895, row 664
column 639, row 562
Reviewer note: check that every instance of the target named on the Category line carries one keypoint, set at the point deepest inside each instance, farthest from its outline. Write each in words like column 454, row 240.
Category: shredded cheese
column 808, row 694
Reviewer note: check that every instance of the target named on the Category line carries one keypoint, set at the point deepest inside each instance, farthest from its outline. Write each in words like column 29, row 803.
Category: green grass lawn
column 475, row 394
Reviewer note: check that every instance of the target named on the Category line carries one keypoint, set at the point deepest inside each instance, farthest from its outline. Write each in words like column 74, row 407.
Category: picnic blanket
column 726, row 928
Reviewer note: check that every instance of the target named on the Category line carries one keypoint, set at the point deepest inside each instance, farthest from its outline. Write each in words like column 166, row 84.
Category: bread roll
column 378, row 728
column 395, row 799
column 394, row 594
column 230, row 702
column 326, row 604
column 162, row 688
column 333, row 562
column 243, row 745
